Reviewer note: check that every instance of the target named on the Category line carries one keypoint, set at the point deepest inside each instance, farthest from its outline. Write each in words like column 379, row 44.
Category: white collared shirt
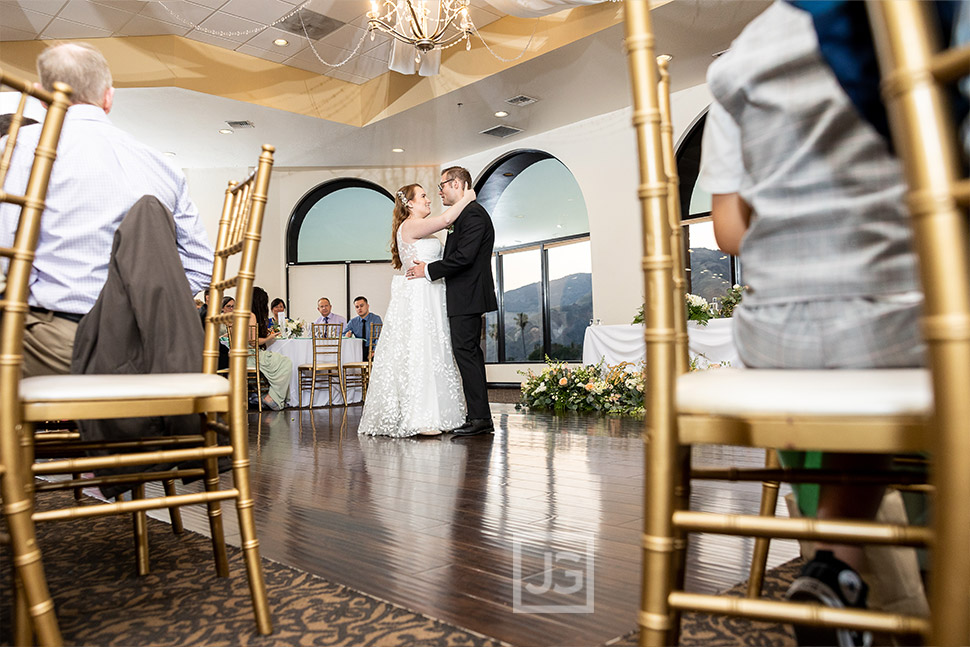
column 99, row 173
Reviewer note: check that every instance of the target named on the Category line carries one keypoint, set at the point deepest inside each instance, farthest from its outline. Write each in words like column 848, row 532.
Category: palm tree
column 522, row 320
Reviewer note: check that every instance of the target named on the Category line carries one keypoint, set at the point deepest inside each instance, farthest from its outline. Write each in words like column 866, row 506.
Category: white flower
column 697, row 301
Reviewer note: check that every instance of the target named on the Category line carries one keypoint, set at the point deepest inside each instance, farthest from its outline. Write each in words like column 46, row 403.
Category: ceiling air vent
column 236, row 125
column 501, row 131
column 521, row 100
column 317, row 25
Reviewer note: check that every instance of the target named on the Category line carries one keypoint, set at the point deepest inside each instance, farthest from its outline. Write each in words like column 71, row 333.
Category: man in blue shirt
column 359, row 326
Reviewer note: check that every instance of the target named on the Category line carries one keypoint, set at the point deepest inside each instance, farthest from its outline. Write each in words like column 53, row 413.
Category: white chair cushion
column 62, row 388
column 771, row 392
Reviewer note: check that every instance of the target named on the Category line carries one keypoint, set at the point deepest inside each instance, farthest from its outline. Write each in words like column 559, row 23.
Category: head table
column 710, row 344
column 300, row 351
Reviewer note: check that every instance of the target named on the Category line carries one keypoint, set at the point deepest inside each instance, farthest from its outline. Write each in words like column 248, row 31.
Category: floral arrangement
column 698, row 309
column 701, row 362
column 590, row 388
column 730, row 300
column 291, row 328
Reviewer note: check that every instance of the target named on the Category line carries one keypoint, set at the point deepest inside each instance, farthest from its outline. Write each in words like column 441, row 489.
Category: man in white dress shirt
column 99, row 174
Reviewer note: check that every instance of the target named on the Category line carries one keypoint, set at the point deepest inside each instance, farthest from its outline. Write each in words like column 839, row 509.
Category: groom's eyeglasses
column 442, row 184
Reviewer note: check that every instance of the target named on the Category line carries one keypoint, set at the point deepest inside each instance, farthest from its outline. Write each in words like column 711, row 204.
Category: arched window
column 542, row 262
column 710, row 272
column 347, row 219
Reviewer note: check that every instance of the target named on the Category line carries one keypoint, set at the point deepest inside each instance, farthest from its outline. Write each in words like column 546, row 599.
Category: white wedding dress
column 415, row 384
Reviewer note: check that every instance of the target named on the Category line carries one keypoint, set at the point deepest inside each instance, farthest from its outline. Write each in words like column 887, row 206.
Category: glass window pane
column 491, row 327
column 708, row 267
column 542, row 202
column 523, row 308
column 349, row 224
column 570, row 298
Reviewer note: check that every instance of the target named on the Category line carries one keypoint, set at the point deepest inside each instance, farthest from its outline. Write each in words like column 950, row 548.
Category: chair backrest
column 253, row 346
column 240, row 229
column 915, row 69
column 326, row 343
column 19, row 259
column 375, row 334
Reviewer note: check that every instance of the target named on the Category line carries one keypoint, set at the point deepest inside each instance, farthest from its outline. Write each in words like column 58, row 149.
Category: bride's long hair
column 401, row 213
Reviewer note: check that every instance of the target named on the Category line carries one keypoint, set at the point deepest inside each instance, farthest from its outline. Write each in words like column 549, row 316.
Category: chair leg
column 174, row 514
column 769, row 499
column 681, row 502
column 247, row 525
column 140, row 524
column 313, row 388
column 299, row 388
column 343, row 387
column 35, row 600
column 23, row 629
column 215, row 507
column 78, row 491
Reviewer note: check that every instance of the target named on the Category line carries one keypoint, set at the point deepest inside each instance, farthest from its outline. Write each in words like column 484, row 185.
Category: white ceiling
column 239, row 25
column 581, row 80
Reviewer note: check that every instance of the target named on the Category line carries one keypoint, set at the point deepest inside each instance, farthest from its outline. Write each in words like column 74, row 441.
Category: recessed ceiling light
column 397, row 150
column 501, row 114
column 225, row 131
column 169, row 153
column 281, row 42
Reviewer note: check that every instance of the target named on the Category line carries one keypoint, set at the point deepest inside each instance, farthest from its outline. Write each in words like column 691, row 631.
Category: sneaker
column 830, row 582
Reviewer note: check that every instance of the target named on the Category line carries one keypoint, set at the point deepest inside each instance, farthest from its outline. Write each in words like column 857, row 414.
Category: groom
column 467, row 266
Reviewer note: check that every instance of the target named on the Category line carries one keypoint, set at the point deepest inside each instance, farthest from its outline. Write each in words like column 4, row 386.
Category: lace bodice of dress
column 426, row 250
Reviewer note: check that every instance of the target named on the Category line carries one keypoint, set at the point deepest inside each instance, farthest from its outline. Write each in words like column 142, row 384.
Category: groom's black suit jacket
column 467, row 263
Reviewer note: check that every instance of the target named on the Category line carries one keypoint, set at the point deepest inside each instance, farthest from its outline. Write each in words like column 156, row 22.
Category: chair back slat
column 913, row 62
column 375, row 334
column 240, row 226
column 14, row 473
column 327, row 343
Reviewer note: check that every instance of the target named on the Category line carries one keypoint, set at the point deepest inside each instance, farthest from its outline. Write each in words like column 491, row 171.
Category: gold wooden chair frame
column 105, row 396
column 254, row 379
column 888, row 411
column 362, row 370
column 327, row 342
column 34, row 609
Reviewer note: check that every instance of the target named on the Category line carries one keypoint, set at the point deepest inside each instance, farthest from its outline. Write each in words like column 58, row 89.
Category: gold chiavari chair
column 207, row 393
column 869, row 411
column 915, row 70
column 358, row 373
column 254, row 379
column 327, row 342
column 35, row 610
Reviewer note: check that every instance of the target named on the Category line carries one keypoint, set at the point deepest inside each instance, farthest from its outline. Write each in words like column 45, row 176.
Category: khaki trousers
column 48, row 344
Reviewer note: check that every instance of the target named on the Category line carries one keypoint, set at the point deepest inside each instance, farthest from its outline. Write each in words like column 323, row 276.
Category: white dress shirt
column 99, row 173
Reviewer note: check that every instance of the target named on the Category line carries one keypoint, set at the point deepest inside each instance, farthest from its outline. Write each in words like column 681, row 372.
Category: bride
column 415, row 388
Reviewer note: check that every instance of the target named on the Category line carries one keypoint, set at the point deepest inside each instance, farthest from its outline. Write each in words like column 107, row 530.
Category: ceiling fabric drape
column 536, row 8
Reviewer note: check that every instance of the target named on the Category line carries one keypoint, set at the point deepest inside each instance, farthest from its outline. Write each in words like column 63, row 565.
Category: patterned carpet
column 100, row 600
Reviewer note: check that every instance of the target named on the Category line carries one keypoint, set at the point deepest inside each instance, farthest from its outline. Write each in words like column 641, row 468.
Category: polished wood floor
column 450, row 528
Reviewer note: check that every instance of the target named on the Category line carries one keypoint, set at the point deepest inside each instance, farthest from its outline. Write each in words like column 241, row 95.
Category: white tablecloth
column 300, row 351
column 712, row 343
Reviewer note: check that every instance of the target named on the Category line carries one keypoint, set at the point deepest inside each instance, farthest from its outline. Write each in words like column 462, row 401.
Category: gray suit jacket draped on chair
column 144, row 321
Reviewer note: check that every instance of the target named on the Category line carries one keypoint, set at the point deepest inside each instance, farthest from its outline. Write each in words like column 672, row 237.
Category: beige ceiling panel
column 261, row 53
column 141, row 25
column 262, row 11
column 132, row 6
column 349, row 78
column 212, row 4
column 203, row 37
column 49, row 7
column 180, row 13
column 229, row 27
column 365, row 66
column 381, row 48
column 60, row 28
column 9, row 33
column 97, row 15
column 265, row 38
column 310, row 65
column 482, row 17
column 348, row 37
column 350, row 11
column 15, row 16
column 328, row 53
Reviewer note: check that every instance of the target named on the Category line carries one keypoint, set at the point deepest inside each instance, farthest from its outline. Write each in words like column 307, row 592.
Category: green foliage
column 590, row 388
column 698, row 309
column 730, row 300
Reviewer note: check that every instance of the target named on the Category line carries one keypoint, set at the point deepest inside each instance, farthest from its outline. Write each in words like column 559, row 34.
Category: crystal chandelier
column 415, row 23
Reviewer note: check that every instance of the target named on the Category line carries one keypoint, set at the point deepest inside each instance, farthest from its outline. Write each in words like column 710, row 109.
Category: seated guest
column 276, row 368
column 359, row 326
column 100, row 173
column 277, row 309
column 326, row 315
column 807, row 192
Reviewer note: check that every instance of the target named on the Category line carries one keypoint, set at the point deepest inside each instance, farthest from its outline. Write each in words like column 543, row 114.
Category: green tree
column 522, row 320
